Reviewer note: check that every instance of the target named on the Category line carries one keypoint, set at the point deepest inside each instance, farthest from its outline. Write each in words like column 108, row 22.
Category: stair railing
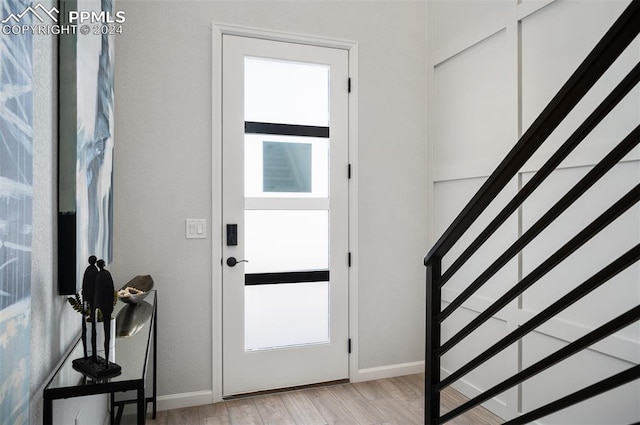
column 604, row 54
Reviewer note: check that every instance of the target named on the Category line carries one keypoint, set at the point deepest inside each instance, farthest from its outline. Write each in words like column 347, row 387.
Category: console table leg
column 47, row 414
column 142, row 406
column 112, row 406
column 155, row 358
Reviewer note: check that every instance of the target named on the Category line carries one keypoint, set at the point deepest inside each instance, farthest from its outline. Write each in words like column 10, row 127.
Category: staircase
column 601, row 58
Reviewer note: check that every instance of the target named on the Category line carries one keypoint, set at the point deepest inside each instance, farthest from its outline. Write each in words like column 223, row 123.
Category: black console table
column 136, row 341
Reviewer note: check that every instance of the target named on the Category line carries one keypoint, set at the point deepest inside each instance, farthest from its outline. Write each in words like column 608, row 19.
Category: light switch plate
column 196, row 228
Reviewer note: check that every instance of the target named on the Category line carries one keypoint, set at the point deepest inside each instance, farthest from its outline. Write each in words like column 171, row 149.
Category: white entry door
column 285, row 214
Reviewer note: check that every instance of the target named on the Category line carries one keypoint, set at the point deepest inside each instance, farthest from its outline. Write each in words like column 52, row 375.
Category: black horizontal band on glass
column 288, row 277
column 253, row 127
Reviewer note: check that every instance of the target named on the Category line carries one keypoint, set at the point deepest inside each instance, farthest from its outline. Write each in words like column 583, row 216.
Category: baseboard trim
column 179, row 401
column 390, row 371
column 199, row 398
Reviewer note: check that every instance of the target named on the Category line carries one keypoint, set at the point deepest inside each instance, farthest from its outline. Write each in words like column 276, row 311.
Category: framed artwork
column 16, row 205
column 85, row 146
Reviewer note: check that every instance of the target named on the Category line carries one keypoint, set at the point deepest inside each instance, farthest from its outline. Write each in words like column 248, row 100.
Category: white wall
column 163, row 168
column 493, row 67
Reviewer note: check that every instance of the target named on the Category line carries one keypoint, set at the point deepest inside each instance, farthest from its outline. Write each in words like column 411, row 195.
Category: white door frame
column 220, row 29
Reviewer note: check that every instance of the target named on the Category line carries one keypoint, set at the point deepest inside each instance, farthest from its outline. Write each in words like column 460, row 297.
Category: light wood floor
column 397, row 401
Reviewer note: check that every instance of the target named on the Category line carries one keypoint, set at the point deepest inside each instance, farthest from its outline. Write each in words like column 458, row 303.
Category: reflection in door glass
column 305, row 159
column 286, row 167
column 286, row 314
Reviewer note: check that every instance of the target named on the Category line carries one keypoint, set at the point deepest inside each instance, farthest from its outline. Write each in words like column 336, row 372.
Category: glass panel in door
column 286, row 292
column 286, row 92
column 277, row 166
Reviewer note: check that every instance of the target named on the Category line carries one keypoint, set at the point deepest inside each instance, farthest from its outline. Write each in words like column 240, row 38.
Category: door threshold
column 286, row 389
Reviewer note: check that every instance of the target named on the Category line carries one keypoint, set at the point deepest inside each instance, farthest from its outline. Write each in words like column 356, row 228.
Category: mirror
column 85, row 142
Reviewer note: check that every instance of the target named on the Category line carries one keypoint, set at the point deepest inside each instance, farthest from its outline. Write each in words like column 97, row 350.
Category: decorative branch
column 77, row 305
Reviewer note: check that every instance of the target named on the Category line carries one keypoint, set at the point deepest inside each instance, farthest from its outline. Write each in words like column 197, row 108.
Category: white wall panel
column 461, row 23
column 617, row 406
column 469, row 131
column 621, row 293
column 555, row 42
column 550, row 53
column 492, row 372
column 450, row 197
column 583, row 369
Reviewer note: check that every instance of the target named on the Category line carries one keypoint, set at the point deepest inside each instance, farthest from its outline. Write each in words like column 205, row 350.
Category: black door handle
column 231, row 261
